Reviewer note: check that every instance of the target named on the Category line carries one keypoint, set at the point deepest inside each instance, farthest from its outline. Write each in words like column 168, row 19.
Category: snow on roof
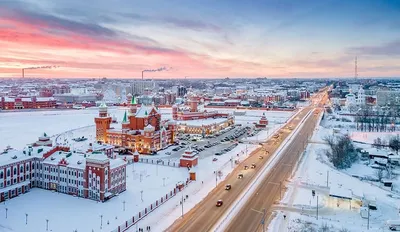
column 8, row 99
column 201, row 122
column 74, row 160
column 375, row 151
column 144, row 111
column 336, row 191
column 13, row 156
column 115, row 163
column 232, row 101
column 45, row 99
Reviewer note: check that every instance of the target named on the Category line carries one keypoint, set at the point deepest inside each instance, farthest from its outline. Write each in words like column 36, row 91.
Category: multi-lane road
column 205, row 215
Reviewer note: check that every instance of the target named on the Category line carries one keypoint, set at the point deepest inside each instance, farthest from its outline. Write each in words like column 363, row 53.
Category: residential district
column 198, row 153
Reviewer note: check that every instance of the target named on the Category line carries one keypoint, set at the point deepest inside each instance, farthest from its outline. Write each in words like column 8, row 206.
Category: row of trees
column 393, row 143
column 371, row 120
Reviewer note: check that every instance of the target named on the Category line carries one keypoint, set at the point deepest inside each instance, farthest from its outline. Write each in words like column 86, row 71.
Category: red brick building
column 7, row 103
column 141, row 130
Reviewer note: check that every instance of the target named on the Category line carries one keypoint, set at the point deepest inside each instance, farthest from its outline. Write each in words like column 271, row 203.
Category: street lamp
column 124, row 204
column 141, row 195
column 26, row 219
column 6, row 212
column 47, row 224
column 101, row 221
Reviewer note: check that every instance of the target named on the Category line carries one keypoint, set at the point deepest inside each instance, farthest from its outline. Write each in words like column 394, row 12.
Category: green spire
column 146, row 112
column 133, row 101
column 44, row 134
column 125, row 118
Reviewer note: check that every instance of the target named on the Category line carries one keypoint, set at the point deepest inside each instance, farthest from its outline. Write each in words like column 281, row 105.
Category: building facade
column 141, row 129
column 7, row 103
column 90, row 175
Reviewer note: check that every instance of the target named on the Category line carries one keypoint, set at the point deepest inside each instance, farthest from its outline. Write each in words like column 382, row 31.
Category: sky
column 199, row 38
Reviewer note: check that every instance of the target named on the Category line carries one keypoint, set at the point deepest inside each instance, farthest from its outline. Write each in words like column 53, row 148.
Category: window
column 8, row 183
column 15, row 170
column 1, row 175
column 21, row 168
column 27, row 167
column 8, row 172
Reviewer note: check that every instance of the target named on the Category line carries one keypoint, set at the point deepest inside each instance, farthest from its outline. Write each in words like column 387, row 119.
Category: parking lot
column 214, row 145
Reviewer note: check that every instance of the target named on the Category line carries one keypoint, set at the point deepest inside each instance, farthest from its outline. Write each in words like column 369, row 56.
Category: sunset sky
column 200, row 38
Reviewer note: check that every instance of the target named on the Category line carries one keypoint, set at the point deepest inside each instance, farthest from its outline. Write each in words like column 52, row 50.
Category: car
column 168, row 153
column 253, row 165
column 261, row 157
column 218, row 153
column 176, row 149
column 246, row 167
column 219, row 203
column 240, row 176
column 215, row 159
column 228, row 187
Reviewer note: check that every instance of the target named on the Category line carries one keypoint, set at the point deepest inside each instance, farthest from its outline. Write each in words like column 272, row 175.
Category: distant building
column 7, row 103
column 140, row 87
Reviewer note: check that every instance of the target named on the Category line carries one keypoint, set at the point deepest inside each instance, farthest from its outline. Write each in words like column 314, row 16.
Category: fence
column 159, row 162
column 146, row 211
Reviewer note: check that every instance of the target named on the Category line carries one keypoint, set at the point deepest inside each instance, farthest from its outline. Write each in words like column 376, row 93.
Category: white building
column 58, row 169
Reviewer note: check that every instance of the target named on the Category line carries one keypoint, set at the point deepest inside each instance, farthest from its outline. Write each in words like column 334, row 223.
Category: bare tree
column 342, row 153
column 324, row 228
column 330, row 139
column 379, row 174
column 394, row 143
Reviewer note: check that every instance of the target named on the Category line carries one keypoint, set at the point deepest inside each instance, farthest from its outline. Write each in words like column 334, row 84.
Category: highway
column 205, row 215
column 268, row 192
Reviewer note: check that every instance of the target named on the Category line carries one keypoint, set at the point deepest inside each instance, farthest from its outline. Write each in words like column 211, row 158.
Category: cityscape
column 186, row 116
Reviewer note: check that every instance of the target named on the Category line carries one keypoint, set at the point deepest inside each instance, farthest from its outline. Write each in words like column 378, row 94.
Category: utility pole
column 26, row 219
column 263, row 221
column 141, row 195
column 47, row 224
column 368, row 219
column 6, row 212
column 327, row 178
column 216, row 180
column 182, row 202
column 317, row 207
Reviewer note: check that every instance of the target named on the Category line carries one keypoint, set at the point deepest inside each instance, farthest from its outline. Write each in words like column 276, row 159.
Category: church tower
column 103, row 122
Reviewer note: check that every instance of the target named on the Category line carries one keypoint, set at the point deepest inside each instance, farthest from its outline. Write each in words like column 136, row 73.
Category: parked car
column 261, row 157
column 228, row 187
column 240, row 176
column 253, row 165
column 168, row 153
column 246, row 167
column 215, row 159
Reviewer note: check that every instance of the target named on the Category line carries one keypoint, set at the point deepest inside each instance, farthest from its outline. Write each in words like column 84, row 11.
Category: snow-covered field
column 21, row 128
column 67, row 213
column 369, row 137
column 313, row 173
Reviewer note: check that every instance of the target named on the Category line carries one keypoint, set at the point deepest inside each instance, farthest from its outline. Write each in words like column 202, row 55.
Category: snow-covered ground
column 197, row 190
column 313, row 173
column 67, row 213
column 21, row 128
column 369, row 137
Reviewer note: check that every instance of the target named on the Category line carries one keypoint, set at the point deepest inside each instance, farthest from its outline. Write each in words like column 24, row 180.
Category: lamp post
column 101, row 221
column 6, row 212
column 26, row 219
column 163, row 181
column 124, row 204
column 141, row 195
column 47, row 224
